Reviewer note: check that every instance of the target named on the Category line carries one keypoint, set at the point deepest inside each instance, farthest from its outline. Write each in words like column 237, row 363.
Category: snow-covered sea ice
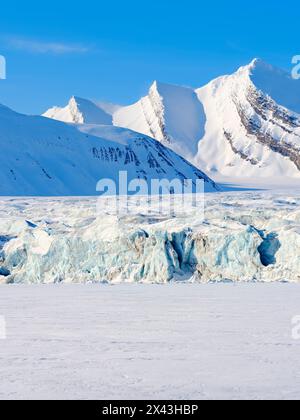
column 178, row 341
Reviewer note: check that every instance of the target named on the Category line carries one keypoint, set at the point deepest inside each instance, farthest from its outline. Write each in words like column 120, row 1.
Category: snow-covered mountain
column 243, row 125
column 40, row 156
column 171, row 114
column 252, row 123
column 82, row 111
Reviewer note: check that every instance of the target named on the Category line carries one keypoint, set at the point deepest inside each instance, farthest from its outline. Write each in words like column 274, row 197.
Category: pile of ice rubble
column 249, row 236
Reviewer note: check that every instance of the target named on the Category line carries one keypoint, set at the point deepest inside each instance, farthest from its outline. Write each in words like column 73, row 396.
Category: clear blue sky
column 113, row 50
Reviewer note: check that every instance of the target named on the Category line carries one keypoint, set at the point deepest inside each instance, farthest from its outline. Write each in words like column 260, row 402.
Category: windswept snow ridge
column 244, row 237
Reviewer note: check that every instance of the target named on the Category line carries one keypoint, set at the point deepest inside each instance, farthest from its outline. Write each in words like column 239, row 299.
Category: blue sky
column 114, row 50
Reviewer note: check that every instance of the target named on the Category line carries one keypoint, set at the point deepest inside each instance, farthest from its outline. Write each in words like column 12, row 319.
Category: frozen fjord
column 178, row 341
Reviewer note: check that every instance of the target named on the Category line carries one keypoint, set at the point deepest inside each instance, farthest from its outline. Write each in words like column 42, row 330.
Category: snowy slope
column 40, row 156
column 170, row 114
column 80, row 111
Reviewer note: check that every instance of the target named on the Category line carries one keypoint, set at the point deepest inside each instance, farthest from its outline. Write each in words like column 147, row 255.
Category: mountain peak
column 80, row 111
column 74, row 100
column 168, row 90
column 276, row 83
column 78, row 100
column 256, row 62
column 257, row 65
column 159, row 86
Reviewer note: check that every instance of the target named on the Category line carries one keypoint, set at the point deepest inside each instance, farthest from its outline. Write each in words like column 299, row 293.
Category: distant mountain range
column 243, row 125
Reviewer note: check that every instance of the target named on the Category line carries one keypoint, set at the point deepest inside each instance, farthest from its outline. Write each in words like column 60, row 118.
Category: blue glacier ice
column 244, row 237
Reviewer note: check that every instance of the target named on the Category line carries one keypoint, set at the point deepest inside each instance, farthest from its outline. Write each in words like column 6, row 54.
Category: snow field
column 150, row 342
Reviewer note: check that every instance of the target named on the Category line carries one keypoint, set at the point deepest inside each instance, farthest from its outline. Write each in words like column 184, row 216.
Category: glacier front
column 245, row 236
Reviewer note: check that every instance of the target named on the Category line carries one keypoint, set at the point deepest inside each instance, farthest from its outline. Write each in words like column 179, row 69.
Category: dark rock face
column 266, row 110
column 157, row 156
column 243, row 155
column 159, row 113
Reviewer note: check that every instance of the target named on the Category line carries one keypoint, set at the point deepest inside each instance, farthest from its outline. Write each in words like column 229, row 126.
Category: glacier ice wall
column 244, row 237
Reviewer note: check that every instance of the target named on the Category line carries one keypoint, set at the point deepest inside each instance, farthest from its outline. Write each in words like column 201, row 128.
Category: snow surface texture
column 243, row 125
column 40, row 156
column 249, row 236
column 150, row 342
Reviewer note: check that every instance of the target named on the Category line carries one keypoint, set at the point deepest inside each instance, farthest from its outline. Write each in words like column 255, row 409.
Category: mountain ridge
column 241, row 125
